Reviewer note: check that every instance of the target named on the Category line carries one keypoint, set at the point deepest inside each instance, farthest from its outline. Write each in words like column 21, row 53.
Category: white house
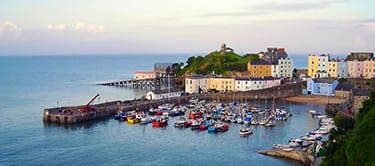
column 246, row 84
column 243, row 84
column 322, row 66
column 285, row 68
column 162, row 94
column 275, row 70
column 195, row 83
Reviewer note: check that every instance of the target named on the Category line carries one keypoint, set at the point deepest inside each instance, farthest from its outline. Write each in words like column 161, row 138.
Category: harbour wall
column 75, row 114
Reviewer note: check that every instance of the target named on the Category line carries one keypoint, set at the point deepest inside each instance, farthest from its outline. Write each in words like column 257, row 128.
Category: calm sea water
column 29, row 84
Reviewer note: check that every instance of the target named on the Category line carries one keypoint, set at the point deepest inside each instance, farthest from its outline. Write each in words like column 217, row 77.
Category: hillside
column 217, row 63
column 354, row 145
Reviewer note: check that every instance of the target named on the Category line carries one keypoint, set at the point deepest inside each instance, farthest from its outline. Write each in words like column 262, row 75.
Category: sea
column 29, row 84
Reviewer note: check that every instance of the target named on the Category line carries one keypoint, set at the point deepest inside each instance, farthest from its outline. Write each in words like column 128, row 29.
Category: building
column 344, row 90
column 325, row 87
column 275, row 71
column 285, row 68
column 342, row 69
column 369, row 69
column 318, row 66
column 163, row 94
column 333, row 68
column 274, row 54
column 243, row 84
column 359, row 96
column 361, row 56
column 165, row 69
column 259, row 69
column 144, row 75
column 355, row 69
column 196, row 84
column 224, row 49
column 221, row 83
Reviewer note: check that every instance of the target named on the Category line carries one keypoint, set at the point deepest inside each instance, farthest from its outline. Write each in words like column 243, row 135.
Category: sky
column 61, row 27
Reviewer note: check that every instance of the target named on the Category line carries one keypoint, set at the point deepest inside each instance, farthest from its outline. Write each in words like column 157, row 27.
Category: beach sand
column 322, row 100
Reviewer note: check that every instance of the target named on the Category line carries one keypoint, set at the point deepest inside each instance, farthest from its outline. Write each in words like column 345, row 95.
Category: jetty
column 133, row 83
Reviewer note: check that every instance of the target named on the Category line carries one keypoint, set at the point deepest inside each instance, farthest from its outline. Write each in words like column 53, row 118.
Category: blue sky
column 35, row 27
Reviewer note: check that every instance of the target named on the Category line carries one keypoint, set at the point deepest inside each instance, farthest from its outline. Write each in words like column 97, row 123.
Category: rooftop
column 361, row 92
column 260, row 63
column 344, row 86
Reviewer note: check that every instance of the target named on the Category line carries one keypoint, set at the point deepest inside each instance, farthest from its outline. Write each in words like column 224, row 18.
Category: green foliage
column 354, row 147
column 218, row 63
column 361, row 145
column 344, row 123
column 342, row 80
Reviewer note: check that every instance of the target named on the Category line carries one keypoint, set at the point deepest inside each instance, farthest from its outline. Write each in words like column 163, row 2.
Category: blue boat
column 212, row 129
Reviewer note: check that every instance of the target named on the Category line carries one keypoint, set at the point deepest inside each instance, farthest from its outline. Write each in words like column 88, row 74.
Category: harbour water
column 28, row 84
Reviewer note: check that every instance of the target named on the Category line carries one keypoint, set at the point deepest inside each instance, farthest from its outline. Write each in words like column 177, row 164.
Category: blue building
column 342, row 69
column 325, row 87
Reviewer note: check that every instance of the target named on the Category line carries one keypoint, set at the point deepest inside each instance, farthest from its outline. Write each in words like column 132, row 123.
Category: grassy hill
column 218, row 63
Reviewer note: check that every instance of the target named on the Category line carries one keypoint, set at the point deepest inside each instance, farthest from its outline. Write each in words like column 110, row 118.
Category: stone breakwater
column 298, row 155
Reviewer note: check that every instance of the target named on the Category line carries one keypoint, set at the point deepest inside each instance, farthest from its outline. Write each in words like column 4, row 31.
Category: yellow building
column 259, row 69
column 222, row 83
column 333, row 69
column 318, row 66
column 312, row 66
column 369, row 69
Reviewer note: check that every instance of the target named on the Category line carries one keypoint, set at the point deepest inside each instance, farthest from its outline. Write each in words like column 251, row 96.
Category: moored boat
column 246, row 131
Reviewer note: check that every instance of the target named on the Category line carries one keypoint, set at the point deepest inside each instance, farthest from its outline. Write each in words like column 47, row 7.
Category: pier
column 145, row 83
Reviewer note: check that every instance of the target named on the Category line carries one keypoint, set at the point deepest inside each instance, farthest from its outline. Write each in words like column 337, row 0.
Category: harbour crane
column 88, row 107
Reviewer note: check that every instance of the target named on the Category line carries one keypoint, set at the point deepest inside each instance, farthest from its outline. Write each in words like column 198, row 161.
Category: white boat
column 246, row 131
column 321, row 116
column 312, row 111
column 287, row 149
column 270, row 123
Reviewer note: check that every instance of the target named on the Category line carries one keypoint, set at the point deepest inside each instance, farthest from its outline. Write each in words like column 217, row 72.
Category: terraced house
column 285, row 68
column 355, row 69
column 221, row 83
column 196, row 84
column 318, row 66
column 259, row 69
column 369, row 69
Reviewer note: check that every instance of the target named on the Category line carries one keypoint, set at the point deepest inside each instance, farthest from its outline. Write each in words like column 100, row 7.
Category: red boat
column 223, row 128
column 203, row 127
column 195, row 115
column 159, row 123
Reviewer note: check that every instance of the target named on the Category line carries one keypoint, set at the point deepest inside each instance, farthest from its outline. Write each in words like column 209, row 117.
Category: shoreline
column 311, row 99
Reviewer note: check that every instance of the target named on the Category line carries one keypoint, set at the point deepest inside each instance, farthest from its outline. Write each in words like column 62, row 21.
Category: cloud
column 10, row 32
column 7, row 27
column 88, row 28
column 295, row 6
column 57, row 27
column 236, row 14
column 81, row 27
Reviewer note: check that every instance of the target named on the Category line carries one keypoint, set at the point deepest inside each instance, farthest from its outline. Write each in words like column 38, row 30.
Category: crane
column 87, row 107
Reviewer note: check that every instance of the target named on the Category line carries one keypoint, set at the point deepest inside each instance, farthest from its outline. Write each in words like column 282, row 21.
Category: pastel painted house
column 196, row 84
column 324, row 87
column 144, row 75
column 246, row 84
column 355, row 69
